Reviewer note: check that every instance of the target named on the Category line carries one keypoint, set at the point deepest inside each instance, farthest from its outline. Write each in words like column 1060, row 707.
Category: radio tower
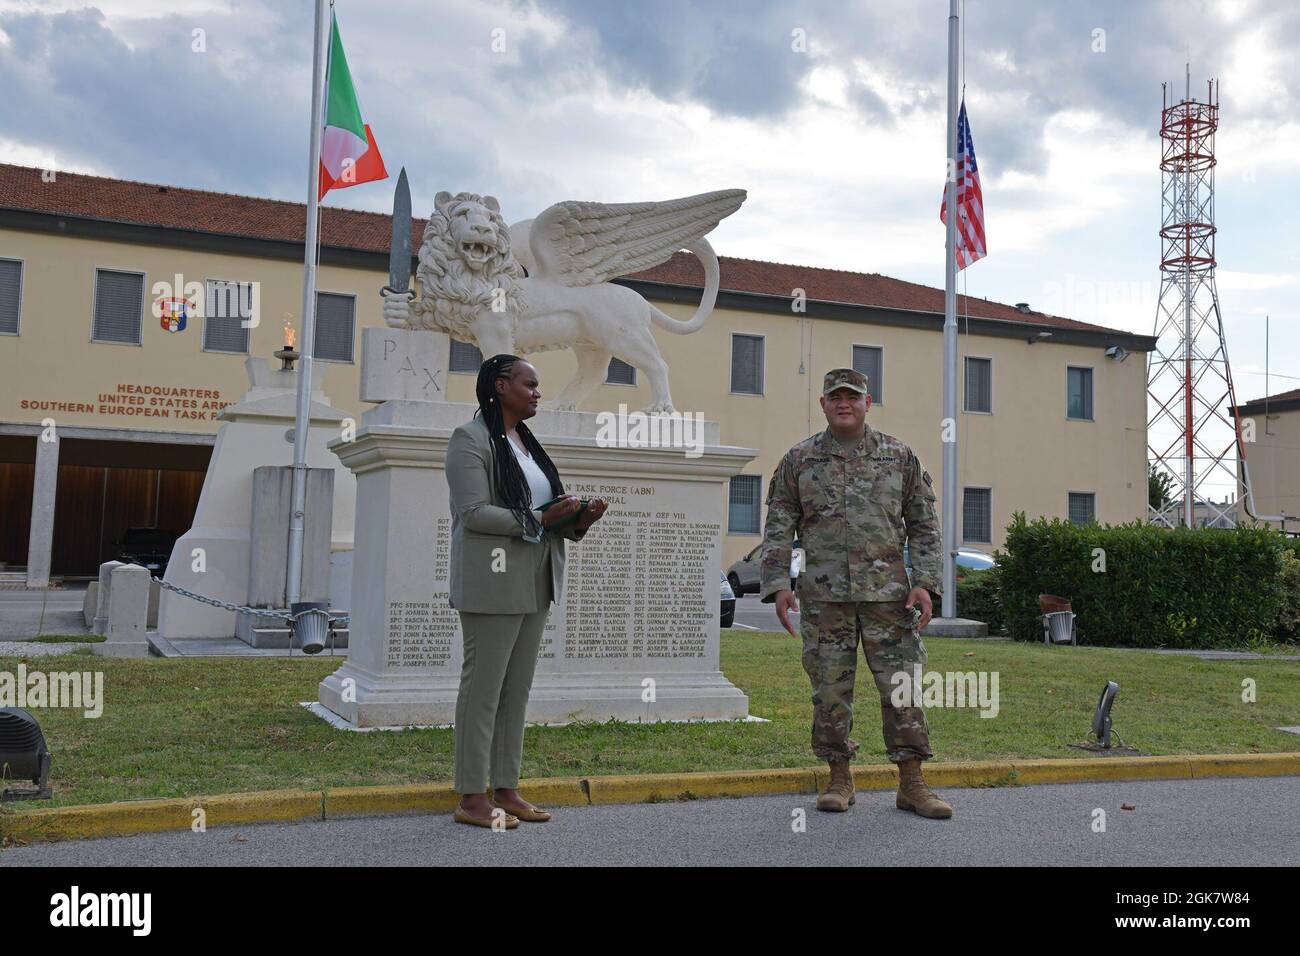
column 1192, row 431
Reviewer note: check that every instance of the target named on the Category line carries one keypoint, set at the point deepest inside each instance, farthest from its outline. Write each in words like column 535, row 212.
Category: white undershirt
column 538, row 483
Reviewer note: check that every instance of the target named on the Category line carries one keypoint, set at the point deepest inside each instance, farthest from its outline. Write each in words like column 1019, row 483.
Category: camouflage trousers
column 831, row 633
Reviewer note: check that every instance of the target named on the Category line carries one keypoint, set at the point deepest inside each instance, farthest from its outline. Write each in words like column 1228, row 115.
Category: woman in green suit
column 507, row 567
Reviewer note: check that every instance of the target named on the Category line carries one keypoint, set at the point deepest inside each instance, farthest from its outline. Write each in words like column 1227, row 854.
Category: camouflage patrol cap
column 845, row 378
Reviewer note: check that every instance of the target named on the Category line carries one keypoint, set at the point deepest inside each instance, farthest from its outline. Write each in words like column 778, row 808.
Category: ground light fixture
column 23, row 756
column 1101, row 727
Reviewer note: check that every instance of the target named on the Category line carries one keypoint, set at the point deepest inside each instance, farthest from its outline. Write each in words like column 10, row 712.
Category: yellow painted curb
column 441, row 797
column 1089, row 769
column 148, row 816
column 667, row 787
column 373, row 801
column 1245, row 765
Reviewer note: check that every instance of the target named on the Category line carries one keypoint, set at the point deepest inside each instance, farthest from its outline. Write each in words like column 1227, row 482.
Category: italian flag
column 348, row 154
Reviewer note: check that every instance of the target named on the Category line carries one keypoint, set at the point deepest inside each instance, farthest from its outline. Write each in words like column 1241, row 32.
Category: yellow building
column 1273, row 458
column 1053, row 420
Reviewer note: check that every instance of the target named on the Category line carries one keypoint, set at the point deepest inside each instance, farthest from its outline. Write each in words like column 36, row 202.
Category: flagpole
column 949, row 519
column 308, row 324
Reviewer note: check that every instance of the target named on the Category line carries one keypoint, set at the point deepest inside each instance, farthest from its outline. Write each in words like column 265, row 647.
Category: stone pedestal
column 268, row 577
column 128, row 613
column 637, row 634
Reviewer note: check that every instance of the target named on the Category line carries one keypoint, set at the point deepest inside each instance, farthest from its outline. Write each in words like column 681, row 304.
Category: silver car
column 745, row 575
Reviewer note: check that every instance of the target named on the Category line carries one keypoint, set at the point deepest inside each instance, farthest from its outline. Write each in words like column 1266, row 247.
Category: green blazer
column 480, row 524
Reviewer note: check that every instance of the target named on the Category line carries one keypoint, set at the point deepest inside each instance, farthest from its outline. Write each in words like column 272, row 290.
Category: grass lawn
column 182, row 727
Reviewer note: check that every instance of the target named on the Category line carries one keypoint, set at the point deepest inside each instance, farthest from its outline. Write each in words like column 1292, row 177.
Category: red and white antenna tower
column 1193, row 434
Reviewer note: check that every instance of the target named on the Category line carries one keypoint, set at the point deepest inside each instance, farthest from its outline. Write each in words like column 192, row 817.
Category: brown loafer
column 464, row 816
column 530, row 813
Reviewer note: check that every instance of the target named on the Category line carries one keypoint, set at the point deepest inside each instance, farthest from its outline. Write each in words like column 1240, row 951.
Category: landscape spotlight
column 1101, row 716
column 23, row 755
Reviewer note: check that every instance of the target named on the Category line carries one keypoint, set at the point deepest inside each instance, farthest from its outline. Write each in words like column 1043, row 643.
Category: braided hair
column 507, row 477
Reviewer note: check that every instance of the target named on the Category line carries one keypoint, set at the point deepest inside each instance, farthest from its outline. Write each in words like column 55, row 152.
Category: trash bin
column 1058, row 627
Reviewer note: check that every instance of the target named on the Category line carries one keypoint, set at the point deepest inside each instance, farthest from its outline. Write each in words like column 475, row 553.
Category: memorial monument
column 637, row 634
column 215, row 557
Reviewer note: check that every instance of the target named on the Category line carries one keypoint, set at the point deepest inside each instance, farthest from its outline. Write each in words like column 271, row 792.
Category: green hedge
column 1288, row 623
column 1187, row 587
column 979, row 598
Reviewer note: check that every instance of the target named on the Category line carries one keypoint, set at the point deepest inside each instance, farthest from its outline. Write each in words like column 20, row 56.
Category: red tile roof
column 171, row 207
column 833, row 285
column 1291, row 396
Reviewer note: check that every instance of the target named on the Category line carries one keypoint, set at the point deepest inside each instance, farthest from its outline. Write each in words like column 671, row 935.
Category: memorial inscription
column 635, row 589
column 423, row 633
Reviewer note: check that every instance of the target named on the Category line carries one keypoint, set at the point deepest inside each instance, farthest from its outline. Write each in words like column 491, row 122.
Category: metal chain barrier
column 287, row 616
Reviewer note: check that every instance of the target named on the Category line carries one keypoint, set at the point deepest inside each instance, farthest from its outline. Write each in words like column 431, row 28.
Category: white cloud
column 1230, row 281
column 42, row 157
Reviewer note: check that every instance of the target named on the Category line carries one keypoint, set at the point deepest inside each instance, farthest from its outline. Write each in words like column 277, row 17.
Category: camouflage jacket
column 852, row 509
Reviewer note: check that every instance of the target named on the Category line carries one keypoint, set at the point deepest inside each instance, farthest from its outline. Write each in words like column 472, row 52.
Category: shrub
column 979, row 598
column 1288, row 621
column 1186, row 587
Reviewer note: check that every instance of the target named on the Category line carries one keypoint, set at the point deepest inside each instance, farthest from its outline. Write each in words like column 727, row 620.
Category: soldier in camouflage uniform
column 853, row 495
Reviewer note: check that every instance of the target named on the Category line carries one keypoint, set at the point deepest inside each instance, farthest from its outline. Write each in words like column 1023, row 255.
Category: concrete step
column 955, row 627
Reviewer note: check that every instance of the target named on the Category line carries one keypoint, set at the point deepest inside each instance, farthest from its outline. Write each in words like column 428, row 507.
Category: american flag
column 970, row 198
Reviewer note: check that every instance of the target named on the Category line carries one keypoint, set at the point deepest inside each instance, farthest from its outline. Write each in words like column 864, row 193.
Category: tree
column 1159, row 484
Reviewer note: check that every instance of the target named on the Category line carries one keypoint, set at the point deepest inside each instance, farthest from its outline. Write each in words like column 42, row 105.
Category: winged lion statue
column 544, row 283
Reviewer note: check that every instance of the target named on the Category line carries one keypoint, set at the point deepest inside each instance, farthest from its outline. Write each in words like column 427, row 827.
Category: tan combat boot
column 914, row 795
column 839, row 795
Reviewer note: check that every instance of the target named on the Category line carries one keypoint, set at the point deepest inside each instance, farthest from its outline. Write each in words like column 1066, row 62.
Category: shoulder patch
column 925, row 476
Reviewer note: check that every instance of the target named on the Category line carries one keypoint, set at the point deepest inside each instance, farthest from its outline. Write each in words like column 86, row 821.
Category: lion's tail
column 709, row 259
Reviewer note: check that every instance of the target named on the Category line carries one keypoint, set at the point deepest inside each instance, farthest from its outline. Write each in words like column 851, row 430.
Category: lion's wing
column 582, row 243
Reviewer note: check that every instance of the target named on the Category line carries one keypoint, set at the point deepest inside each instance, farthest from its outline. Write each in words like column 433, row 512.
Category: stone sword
column 399, row 249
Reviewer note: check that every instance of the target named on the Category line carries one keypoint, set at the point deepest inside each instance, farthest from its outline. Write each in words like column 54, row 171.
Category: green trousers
column 495, row 678
column 832, row 632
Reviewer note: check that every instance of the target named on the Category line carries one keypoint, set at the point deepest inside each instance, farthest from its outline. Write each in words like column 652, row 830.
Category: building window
column 11, row 295
column 336, row 321
column 743, row 506
column 1078, row 393
column 465, row 357
column 227, row 307
column 977, row 515
column 747, row 364
column 870, row 361
column 620, row 373
column 979, row 385
column 119, row 306
column 1083, row 507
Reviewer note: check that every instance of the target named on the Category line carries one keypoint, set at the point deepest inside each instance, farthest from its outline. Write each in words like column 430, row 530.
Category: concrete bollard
column 128, row 613
column 101, row 601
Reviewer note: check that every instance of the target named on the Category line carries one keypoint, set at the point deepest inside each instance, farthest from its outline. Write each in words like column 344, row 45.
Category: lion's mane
column 452, row 295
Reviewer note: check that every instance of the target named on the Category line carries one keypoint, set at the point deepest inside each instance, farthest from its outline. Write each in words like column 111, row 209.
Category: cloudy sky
column 830, row 112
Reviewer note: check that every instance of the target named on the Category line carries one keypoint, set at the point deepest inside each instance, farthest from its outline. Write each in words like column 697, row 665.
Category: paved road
column 752, row 614
column 1215, row 822
column 26, row 613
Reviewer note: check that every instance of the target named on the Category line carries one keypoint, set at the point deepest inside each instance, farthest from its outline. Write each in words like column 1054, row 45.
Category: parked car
column 728, row 602
column 970, row 559
column 149, row 547
column 745, row 575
